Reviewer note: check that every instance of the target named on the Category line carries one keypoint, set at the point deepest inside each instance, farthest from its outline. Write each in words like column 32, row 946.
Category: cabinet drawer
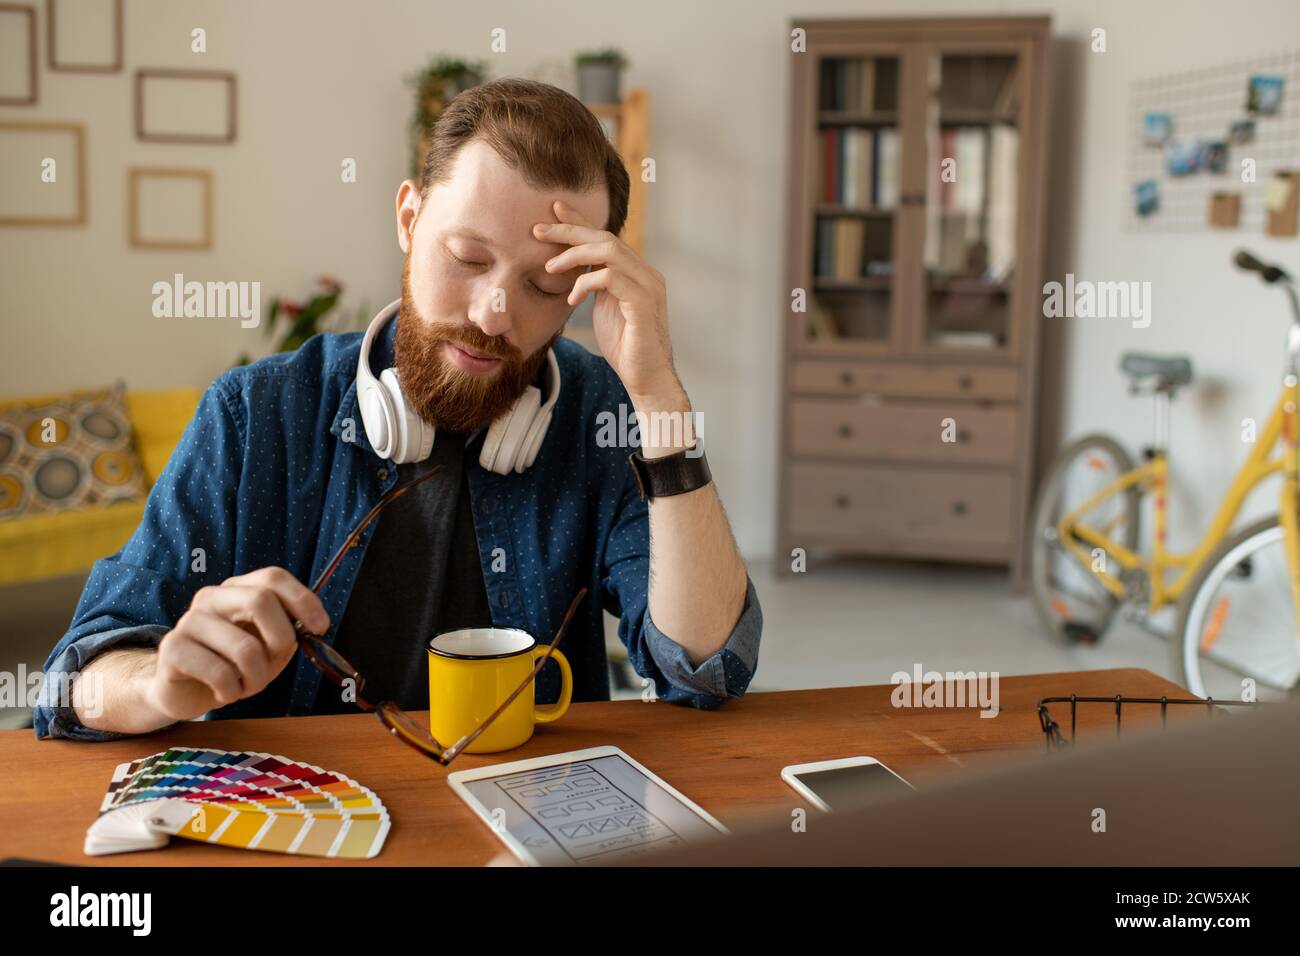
column 901, row 430
column 903, row 380
column 902, row 508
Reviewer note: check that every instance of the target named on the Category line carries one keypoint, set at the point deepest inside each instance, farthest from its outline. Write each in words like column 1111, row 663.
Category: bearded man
column 514, row 222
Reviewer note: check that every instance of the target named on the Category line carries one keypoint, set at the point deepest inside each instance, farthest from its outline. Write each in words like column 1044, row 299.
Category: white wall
column 321, row 81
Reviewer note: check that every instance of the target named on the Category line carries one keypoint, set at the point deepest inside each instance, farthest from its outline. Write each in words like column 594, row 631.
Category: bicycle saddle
column 1173, row 371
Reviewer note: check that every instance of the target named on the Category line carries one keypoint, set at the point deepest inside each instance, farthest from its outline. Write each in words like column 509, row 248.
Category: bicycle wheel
column 1237, row 620
column 1071, row 602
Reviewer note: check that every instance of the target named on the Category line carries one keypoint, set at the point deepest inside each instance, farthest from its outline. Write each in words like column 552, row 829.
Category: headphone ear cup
column 422, row 433
column 411, row 437
column 514, row 438
column 377, row 418
column 533, row 442
column 487, row 455
column 515, row 425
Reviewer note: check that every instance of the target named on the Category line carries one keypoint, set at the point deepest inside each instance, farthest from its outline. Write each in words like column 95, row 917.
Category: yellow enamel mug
column 472, row 670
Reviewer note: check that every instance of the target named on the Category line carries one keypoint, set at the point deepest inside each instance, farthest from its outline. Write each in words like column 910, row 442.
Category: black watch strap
column 673, row 474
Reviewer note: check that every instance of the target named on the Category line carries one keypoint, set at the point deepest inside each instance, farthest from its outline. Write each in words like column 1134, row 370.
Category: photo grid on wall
column 1192, row 134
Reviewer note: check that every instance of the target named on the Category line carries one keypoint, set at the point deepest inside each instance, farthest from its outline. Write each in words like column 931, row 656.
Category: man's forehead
column 486, row 200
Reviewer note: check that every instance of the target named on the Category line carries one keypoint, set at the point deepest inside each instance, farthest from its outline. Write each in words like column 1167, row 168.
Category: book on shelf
column 826, row 167
column 839, row 248
column 825, row 248
column 886, row 179
column 859, row 147
column 859, row 167
column 848, row 238
column 848, row 85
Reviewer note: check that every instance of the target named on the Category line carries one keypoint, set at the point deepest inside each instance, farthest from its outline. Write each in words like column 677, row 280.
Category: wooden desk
column 729, row 761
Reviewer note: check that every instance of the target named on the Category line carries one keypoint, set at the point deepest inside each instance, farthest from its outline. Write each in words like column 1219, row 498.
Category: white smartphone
column 844, row 783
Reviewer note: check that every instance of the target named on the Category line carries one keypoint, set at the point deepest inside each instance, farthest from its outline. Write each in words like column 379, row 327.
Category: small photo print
column 1264, row 95
column 1182, row 156
column 1157, row 128
column 1213, row 156
column 1242, row 131
column 1146, row 197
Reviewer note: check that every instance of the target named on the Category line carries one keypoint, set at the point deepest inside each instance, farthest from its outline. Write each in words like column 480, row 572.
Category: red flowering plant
column 296, row 322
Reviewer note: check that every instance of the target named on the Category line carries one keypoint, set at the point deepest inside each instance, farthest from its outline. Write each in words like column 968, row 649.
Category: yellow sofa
column 51, row 545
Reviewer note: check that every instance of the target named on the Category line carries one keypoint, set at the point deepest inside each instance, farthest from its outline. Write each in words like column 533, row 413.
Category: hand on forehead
column 569, row 225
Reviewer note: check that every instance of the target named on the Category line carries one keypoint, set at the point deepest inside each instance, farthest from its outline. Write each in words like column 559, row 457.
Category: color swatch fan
column 253, row 801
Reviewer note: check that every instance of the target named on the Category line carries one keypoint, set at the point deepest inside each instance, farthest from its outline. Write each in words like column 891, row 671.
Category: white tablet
column 581, row 807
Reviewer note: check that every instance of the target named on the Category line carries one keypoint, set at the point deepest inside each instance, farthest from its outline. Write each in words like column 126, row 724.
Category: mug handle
column 544, row 715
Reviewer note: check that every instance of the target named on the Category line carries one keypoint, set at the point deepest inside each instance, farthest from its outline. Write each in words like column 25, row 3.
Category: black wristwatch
column 673, row 474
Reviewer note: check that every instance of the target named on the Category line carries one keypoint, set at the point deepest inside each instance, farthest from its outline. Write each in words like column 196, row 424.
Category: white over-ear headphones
column 397, row 432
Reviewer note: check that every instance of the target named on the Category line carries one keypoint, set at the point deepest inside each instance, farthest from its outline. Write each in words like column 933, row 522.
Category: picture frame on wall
column 42, row 173
column 185, row 106
column 1146, row 197
column 1182, row 156
column 19, row 79
column 1224, row 210
column 94, row 46
column 1264, row 94
column 1157, row 128
column 1213, row 156
column 169, row 208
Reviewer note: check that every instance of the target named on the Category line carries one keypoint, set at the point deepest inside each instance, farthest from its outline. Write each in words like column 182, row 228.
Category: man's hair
column 540, row 130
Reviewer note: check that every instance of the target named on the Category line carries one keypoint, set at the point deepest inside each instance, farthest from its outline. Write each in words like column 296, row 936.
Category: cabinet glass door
column 971, row 197
column 855, row 176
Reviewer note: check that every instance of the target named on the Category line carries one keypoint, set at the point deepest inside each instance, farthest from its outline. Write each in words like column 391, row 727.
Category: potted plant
column 599, row 75
column 436, row 86
column 302, row 320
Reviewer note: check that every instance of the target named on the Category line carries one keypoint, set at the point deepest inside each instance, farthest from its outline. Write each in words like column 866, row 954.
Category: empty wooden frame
column 185, row 101
column 28, row 194
column 18, row 39
column 112, row 12
column 143, row 228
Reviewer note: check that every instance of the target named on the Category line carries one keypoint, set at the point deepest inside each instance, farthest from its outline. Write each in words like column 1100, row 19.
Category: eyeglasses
column 405, row 728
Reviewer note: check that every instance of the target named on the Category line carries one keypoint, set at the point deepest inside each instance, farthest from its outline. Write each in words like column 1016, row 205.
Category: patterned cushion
column 73, row 452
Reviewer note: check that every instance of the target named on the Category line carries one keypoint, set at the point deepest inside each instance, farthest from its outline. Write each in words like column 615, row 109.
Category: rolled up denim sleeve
column 653, row 654
column 729, row 670
column 134, row 597
column 54, row 715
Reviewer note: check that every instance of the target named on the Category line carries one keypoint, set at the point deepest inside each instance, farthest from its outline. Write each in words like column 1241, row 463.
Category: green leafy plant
column 296, row 322
column 435, row 86
column 610, row 55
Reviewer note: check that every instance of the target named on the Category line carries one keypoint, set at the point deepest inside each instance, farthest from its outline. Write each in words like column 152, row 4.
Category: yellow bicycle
column 1237, row 594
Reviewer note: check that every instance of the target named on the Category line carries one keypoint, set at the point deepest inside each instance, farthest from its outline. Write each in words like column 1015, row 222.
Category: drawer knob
column 841, row 501
column 959, row 507
column 963, row 435
column 846, row 377
column 965, row 381
column 846, row 431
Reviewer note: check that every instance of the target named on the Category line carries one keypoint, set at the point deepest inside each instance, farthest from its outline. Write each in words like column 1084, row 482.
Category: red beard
column 443, row 394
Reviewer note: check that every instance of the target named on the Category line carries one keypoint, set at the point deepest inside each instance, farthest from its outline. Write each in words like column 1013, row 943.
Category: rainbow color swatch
column 252, row 801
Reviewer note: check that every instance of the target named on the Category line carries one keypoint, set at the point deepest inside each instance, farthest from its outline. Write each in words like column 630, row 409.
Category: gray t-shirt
column 421, row 575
